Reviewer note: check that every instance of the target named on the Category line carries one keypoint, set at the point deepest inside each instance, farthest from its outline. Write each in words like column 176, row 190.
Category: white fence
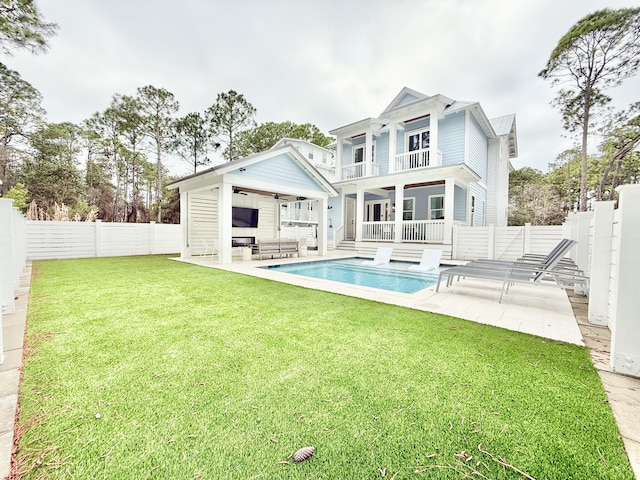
column 503, row 243
column 12, row 258
column 49, row 240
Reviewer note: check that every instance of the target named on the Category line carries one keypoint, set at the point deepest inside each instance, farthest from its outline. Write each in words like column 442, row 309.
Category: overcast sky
column 328, row 62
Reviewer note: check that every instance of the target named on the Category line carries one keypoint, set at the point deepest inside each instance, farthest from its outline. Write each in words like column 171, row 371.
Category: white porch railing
column 416, row 159
column 359, row 170
column 378, row 230
column 431, row 231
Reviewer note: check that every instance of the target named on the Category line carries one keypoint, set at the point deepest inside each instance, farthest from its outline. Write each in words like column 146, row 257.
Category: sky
column 326, row 62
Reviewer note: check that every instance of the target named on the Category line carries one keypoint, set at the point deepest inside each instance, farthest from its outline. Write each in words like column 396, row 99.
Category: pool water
column 394, row 276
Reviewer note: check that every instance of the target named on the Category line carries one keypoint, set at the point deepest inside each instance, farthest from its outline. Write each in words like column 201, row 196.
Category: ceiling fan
column 237, row 190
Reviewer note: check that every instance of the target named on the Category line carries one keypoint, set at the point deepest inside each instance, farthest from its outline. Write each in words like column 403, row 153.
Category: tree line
column 113, row 163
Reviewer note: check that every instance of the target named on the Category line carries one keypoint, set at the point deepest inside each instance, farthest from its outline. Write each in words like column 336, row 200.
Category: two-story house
column 402, row 179
column 425, row 164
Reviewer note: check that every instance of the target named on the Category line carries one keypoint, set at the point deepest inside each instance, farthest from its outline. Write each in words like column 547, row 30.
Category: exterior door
column 350, row 219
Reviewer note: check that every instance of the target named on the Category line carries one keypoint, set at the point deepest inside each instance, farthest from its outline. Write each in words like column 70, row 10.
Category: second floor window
column 358, row 153
column 418, row 140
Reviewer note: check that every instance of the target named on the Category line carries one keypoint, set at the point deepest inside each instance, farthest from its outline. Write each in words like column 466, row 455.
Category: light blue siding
column 421, row 199
column 478, row 149
column 281, row 169
column 459, row 204
column 407, row 98
column 480, row 204
column 334, row 216
column 451, row 138
column 382, row 153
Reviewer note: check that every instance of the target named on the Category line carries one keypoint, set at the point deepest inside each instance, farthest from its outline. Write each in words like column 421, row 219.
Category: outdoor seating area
column 275, row 248
column 552, row 270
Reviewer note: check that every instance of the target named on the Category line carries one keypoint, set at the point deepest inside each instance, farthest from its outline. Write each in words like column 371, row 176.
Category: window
column 473, row 210
column 408, row 209
column 418, row 140
column 436, row 207
column 358, row 153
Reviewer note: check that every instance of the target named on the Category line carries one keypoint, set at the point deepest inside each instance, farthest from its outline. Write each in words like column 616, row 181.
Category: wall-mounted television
column 244, row 217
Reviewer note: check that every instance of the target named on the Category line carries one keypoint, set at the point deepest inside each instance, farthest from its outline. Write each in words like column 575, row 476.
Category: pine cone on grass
column 303, row 454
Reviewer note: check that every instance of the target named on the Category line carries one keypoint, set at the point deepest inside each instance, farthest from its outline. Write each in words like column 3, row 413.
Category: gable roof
column 506, row 125
column 405, row 96
column 242, row 163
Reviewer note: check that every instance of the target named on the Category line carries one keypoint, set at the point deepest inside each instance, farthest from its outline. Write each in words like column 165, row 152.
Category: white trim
column 429, row 209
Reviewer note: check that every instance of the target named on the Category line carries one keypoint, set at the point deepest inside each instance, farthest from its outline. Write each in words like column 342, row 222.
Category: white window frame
column 361, row 146
column 429, row 209
column 418, row 132
column 385, row 210
column 412, row 211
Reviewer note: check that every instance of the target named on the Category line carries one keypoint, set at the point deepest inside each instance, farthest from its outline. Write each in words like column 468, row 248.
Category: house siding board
column 270, row 171
column 203, row 222
column 451, row 139
column 406, row 99
column 382, row 153
column 334, row 216
column 479, row 218
column 459, row 204
column 478, row 149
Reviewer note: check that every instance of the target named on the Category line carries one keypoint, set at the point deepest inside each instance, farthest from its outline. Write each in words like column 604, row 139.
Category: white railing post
column 6, row 255
column 526, row 240
column 491, row 242
column 601, row 263
column 625, row 347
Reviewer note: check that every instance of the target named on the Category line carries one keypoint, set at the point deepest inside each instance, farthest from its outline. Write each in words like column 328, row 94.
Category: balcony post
column 368, row 167
column 433, row 138
column 393, row 136
column 339, row 148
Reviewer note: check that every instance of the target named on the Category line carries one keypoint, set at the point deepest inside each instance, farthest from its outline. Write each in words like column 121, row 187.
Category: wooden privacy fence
column 49, row 240
column 504, row 243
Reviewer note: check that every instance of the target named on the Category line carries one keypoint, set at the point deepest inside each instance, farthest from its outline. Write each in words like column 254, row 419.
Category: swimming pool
column 393, row 276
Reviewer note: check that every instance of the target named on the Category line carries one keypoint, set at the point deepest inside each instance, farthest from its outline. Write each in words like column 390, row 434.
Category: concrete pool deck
column 535, row 310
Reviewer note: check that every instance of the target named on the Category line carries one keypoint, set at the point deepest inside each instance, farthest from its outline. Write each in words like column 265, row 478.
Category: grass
column 200, row 373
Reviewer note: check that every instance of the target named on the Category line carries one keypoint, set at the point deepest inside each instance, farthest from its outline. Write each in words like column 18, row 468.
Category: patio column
column 185, row 248
column 225, row 196
column 625, row 331
column 323, row 204
column 449, row 192
column 399, row 199
column 7, row 253
column 600, row 274
column 359, row 213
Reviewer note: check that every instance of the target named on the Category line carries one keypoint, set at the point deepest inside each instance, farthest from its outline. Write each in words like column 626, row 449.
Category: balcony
column 359, row 170
column 416, row 159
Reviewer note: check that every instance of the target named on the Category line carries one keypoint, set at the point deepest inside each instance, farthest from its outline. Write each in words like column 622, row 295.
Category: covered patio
column 237, row 203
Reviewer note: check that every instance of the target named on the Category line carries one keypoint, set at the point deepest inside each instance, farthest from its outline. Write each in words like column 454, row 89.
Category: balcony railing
column 419, row 231
column 358, row 170
column 416, row 159
column 292, row 214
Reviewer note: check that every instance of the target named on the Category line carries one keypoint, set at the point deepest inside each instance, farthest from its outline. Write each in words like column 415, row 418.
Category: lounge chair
column 430, row 261
column 548, row 272
column 383, row 256
column 530, row 258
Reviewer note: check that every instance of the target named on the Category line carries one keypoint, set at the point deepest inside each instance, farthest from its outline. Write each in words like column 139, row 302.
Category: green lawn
column 143, row 367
